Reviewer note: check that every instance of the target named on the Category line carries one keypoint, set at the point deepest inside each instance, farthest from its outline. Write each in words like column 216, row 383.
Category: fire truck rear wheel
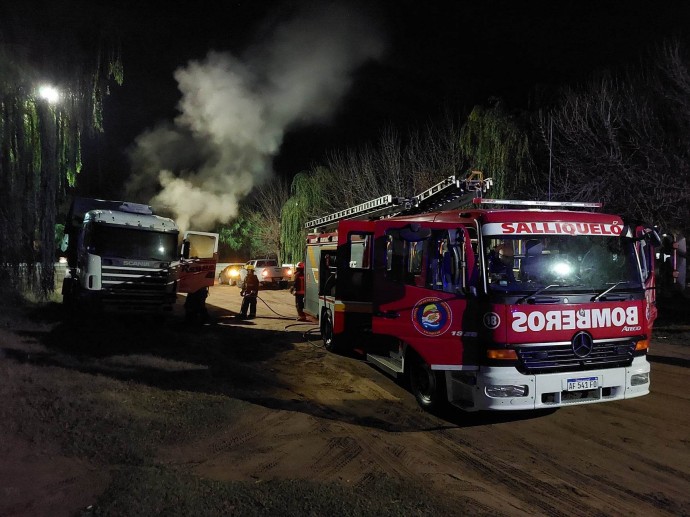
column 330, row 341
column 427, row 386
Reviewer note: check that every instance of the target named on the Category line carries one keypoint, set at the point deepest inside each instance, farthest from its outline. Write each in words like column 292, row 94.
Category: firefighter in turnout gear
column 298, row 291
column 249, row 292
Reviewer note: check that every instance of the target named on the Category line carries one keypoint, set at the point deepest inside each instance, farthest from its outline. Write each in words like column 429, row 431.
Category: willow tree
column 496, row 143
column 41, row 130
column 311, row 197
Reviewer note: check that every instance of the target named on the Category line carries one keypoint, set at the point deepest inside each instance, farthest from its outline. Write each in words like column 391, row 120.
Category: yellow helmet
column 250, row 267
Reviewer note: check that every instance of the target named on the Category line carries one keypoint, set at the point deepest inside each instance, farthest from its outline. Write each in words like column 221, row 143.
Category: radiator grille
column 561, row 358
column 133, row 289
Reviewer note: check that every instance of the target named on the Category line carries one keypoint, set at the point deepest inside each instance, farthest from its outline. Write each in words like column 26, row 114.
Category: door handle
column 391, row 315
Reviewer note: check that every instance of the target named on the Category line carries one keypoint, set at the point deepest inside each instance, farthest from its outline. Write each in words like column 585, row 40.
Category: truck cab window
column 356, row 270
column 438, row 262
column 446, row 264
column 360, row 251
column 405, row 260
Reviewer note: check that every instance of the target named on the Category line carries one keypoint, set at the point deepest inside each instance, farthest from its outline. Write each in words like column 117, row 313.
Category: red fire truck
column 507, row 305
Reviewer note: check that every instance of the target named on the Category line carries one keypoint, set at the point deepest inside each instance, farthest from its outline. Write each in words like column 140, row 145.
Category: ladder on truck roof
column 446, row 195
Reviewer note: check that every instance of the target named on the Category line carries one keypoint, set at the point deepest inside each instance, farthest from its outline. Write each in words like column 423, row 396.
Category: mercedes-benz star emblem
column 582, row 344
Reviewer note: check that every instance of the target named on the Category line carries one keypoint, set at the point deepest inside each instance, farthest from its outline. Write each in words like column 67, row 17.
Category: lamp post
column 49, row 93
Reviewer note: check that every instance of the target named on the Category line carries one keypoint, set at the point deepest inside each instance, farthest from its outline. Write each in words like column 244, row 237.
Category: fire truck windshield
column 560, row 263
column 121, row 242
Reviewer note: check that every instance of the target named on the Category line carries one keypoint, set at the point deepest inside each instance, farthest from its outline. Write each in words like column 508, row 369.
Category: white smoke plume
column 234, row 113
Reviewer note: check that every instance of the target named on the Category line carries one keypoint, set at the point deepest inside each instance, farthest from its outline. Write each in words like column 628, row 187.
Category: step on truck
column 502, row 305
column 124, row 258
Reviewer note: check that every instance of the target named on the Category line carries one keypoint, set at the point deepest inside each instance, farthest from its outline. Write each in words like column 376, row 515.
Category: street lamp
column 49, row 93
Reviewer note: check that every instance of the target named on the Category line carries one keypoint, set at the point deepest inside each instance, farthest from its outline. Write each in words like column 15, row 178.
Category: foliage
column 309, row 198
column 497, row 144
column 236, row 235
column 40, row 149
column 397, row 166
column 622, row 139
column 268, row 202
column 401, row 166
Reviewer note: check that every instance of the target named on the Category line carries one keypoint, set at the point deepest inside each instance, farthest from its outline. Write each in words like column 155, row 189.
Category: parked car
column 230, row 274
column 269, row 272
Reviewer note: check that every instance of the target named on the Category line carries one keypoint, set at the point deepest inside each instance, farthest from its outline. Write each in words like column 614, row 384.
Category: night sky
column 440, row 57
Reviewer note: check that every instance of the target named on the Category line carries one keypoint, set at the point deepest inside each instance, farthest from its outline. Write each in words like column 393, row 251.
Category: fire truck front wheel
column 426, row 385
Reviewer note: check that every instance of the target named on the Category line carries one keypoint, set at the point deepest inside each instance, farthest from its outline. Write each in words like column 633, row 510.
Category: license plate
column 583, row 383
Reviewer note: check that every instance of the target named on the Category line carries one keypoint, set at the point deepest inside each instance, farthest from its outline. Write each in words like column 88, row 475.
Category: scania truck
column 124, row 258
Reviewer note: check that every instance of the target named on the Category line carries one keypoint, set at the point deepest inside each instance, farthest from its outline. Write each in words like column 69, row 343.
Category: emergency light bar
column 564, row 204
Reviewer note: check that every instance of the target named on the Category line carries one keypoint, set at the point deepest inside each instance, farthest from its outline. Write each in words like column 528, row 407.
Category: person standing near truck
column 298, row 291
column 249, row 292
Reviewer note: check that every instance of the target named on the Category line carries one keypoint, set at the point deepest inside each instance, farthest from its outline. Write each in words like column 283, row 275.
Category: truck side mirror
column 651, row 236
column 185, row 249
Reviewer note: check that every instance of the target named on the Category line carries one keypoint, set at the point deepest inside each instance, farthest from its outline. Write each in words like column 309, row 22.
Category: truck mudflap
column 504, row 388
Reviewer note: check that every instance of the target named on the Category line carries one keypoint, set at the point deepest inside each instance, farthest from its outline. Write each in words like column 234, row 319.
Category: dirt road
column 347, row 421
column 313, row 416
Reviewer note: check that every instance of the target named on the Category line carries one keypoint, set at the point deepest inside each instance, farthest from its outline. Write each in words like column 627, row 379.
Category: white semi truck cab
column 121, row 257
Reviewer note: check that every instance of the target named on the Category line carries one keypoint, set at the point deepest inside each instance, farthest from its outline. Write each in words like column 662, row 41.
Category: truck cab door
column 647, row 242
column 421, row 291
column 199, row 256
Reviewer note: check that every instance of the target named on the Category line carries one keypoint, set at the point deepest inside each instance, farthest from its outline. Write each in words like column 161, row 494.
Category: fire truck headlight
column 562, row 269
column 507, row 390
column 639, row 378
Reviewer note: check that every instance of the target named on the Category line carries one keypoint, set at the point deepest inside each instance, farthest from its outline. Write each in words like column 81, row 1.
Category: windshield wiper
column 537, row 292
column 605, row 292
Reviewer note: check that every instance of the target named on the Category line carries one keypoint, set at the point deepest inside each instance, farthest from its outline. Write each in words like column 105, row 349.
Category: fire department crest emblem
column 431, row 317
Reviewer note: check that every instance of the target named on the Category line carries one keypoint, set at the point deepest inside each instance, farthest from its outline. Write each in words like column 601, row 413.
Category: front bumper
column 471, row 390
